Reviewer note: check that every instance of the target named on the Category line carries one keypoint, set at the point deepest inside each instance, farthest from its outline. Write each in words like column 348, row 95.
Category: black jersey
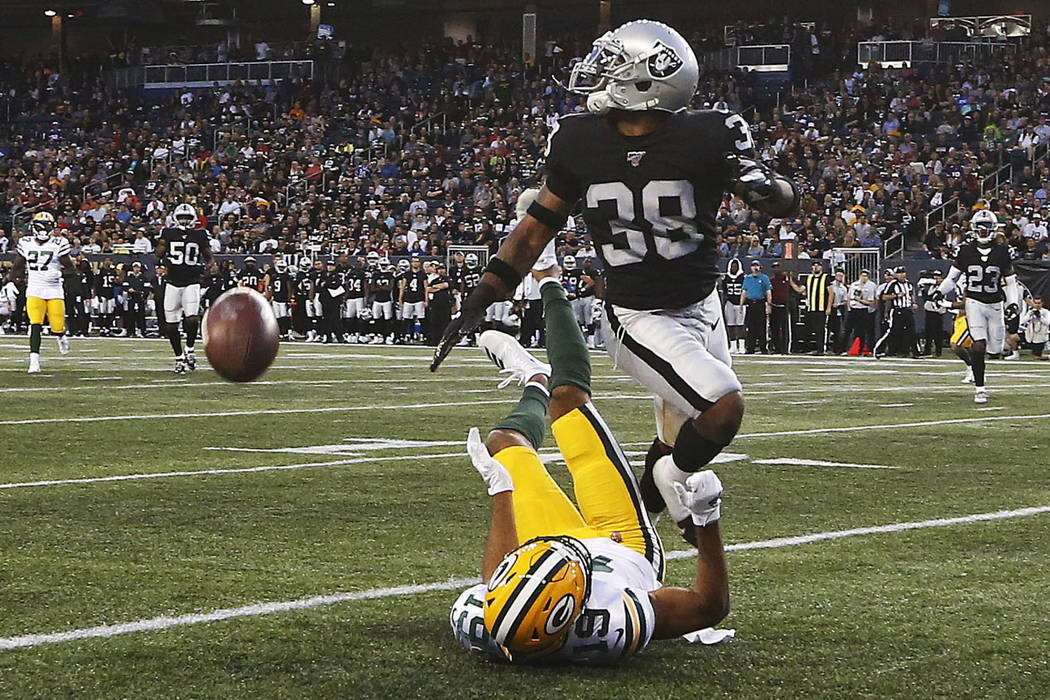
column 471, row 278
column 415, row 286
column 185, row 255
column 354, row 281
column 983, row 272
column 380, row 283
column 250, row 277
column 331, row 289
column 734, row 286
column 570, row 279
column 280, row 287
column 304, row 285
column 105, row 280
column 457, row 277
column 650, row 201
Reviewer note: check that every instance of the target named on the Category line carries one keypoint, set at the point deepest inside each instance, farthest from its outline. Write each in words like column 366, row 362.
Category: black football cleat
column 651, row 496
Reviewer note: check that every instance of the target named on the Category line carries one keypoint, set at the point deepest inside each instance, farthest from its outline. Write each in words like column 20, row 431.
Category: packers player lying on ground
column 569, row 584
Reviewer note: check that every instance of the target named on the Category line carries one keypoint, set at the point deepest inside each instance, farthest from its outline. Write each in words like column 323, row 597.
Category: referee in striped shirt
column 899, row 296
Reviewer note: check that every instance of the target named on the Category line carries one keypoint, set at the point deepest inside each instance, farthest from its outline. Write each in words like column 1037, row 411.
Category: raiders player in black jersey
column 186, row 252
column 304, row 291
column 105, row 296
column 732, row 288
column 354, row 302
column 651, row 175
column 250, row 276
column 985, row 274
column 413, row 300
column 278, row 286
column 381, row 290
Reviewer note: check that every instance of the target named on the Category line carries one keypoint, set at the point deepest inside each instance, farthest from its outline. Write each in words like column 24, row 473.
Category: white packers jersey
column 617, row 621
column 42, row 263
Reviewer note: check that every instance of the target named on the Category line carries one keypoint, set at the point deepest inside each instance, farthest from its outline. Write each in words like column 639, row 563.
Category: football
column 240, row 335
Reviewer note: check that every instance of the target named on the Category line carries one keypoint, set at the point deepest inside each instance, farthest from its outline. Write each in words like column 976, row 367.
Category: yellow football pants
column 54, row 309
column 961, row 333
column 610, row 504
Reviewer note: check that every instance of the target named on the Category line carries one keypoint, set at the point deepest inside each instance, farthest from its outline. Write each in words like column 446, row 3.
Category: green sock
column 566, row 348
column 529, row 417
column 34, row 338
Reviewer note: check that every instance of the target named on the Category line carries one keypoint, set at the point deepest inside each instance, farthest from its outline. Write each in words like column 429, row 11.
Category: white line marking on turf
column 208, row 472
column 167, row 622
column 992, row 408
column 890, row 426
column 791, row 461
column 895, row 405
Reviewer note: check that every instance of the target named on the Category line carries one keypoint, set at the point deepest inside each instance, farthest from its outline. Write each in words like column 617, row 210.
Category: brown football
column 240, row 335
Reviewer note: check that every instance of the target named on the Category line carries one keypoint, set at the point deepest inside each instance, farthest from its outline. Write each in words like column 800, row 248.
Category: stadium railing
column 898, row 54
column 204, row 75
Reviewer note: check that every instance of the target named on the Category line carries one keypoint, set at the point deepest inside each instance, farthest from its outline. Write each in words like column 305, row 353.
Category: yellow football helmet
column 42, row 225
column 535, row 595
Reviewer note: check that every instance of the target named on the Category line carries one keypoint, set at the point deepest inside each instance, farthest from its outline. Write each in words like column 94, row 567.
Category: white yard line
column 167, row 622
column 791, row 461
column 890, row 426
column 232, row 470
column 895, row 405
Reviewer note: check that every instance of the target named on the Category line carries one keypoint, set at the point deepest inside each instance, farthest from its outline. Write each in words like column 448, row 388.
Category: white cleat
column 191, row 360
column 980, row 395
column 512, row 359
column 34, row 363
column 1015, row 355
column 968, row 379
column 63, row 344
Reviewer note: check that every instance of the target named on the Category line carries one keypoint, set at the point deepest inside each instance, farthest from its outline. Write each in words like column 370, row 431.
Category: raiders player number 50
column 650, row 174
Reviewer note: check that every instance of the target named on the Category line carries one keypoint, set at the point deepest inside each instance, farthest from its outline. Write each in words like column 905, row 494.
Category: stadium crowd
column 417, row 149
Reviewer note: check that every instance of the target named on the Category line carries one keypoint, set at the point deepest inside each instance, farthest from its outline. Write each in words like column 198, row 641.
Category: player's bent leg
column 605, row 486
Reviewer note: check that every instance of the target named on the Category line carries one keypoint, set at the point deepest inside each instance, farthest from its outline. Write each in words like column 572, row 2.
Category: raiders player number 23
column 984, row 271
column 650, row 174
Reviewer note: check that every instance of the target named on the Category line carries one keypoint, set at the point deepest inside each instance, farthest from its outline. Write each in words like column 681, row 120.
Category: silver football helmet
column 471, row 260
column 639, row 66
column 985, row 226
column 185, row 216
column 569, row 262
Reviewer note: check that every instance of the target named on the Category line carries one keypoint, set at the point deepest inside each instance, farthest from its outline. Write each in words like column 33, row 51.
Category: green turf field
column 177, row 537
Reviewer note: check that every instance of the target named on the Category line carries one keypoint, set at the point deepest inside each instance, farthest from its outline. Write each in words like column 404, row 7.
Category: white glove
column 702, row 496
column 495, row 474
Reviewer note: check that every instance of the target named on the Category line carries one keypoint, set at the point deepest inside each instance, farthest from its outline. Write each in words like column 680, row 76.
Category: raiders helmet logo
column 635, row 157
column 665, row 62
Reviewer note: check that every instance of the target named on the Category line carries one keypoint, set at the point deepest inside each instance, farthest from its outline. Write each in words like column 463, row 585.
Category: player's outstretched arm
column 504, row 272
column 503, row 530
column 681, row 610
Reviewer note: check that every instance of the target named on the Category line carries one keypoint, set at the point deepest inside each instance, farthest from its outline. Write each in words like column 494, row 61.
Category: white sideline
column 167, row 622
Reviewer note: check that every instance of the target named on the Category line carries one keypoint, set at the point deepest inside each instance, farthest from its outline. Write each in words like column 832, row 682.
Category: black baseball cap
column 899, row 269
column 865, row 271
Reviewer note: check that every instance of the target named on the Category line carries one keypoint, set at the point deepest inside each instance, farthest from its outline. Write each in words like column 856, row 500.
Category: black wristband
column 551, row 219
column 507, row 274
